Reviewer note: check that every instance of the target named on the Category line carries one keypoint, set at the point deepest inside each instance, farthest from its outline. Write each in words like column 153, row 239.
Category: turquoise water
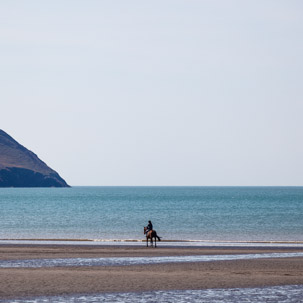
column 178, row 213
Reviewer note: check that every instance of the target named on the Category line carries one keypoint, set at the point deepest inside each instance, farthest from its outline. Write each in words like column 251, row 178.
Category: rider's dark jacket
column 149, row 226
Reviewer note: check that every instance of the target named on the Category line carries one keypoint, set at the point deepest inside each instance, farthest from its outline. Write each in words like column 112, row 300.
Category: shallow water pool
column 284, row 294
column 127, row 261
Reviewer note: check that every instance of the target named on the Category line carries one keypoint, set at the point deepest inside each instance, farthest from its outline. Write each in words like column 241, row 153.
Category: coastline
column 140, row 242
column 30, row 282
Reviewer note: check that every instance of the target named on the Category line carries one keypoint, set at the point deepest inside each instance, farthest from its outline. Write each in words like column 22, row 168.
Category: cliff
column 19, row 167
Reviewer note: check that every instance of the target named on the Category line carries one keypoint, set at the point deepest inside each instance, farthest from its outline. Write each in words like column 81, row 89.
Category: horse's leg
column 155, row 242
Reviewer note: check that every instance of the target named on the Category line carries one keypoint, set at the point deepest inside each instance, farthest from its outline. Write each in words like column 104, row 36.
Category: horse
column 152, row 234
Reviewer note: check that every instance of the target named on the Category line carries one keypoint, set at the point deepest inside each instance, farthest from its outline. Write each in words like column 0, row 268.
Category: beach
column 54, row 281
column 59, row 243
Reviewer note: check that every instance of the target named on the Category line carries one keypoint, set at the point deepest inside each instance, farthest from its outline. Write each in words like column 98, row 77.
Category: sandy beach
column 27, row 282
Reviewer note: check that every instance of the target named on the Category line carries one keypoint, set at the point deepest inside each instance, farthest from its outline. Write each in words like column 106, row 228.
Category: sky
column 148, row 93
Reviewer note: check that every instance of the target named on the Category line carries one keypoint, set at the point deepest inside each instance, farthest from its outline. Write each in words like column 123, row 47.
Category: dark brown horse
column 152, row 234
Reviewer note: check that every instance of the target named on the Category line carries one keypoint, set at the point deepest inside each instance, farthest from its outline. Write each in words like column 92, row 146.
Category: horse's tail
column 159, row 238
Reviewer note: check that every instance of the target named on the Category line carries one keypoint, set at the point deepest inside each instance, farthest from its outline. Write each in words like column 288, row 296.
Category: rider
column 149, row 226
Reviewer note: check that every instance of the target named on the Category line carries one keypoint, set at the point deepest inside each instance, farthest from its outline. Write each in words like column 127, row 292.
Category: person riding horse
column 151, row 234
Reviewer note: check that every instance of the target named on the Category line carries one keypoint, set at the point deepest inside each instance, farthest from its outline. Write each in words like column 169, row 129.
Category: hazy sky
column 188, row 92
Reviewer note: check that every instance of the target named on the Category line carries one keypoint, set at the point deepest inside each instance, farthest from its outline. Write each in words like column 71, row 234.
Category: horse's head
column 145, row 228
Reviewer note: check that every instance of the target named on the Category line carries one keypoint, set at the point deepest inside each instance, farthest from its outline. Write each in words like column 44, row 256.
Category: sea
column 197, row 215
column 182, row 216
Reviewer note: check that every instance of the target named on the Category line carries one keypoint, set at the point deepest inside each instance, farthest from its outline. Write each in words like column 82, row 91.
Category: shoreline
column 140, row 242
column 31, row 282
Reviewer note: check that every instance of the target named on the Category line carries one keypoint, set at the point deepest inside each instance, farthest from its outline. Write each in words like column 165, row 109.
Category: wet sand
column 23, row 282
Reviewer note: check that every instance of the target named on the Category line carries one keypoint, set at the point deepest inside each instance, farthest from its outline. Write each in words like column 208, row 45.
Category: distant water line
column 163, row 243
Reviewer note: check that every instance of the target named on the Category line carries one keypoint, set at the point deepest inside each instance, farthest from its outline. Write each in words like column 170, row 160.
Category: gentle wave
column 127, row 261
column 275, row 294
column 136, row 242
column 144, row 240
